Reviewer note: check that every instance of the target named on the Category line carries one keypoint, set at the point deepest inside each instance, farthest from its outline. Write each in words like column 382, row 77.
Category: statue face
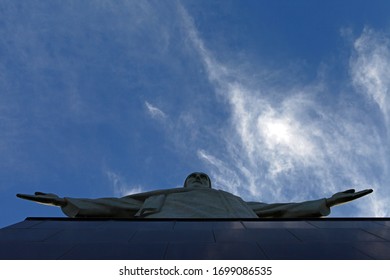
column 196, row 180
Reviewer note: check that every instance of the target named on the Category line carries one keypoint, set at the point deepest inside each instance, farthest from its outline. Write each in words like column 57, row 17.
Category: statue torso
column 201, row 203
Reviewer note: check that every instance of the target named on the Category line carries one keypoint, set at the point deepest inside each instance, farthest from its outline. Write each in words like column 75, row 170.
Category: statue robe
column 190, row 203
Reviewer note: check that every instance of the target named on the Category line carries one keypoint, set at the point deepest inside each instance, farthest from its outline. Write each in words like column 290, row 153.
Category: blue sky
column 276, row 100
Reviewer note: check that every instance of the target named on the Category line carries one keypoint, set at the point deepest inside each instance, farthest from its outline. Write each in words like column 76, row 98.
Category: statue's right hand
column 44, row 198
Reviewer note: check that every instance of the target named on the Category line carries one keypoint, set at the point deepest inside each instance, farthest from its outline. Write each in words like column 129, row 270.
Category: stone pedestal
column 302, row 239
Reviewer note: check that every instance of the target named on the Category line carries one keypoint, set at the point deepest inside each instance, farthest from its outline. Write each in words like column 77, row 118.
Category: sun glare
column 279, row 131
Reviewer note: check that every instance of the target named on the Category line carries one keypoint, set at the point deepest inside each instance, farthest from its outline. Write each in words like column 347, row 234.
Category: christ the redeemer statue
column 195, row 200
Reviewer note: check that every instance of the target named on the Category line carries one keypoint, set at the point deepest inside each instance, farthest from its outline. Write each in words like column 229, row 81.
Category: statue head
column 197, row 179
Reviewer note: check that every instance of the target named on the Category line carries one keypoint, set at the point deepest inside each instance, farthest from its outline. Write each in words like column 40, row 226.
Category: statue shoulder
column 145, row 195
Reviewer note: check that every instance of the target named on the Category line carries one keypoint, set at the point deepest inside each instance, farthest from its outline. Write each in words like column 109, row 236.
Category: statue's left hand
column 346, row 196
column 45, row 198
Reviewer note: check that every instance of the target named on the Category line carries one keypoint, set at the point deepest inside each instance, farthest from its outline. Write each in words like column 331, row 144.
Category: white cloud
column 292, row 147
column 370, row 68
column 119, row 186
column 228, row 179
column 154, row 112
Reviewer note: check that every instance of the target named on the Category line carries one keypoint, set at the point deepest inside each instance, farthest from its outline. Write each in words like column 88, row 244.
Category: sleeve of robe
column 307, row 209
column 124, row 207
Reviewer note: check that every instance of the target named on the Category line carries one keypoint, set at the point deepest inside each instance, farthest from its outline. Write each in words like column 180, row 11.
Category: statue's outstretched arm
column 346, row 196
column 44, row 198
column 306, row 209
column 109, row 207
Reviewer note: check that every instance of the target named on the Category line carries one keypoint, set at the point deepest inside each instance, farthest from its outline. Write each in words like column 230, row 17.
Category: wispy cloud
column 119, row 185
column 290, row 146
column 154, row 112
column 370, row 68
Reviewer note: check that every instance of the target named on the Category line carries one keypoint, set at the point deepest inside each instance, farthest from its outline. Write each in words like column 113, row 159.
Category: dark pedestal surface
column 302, row 239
